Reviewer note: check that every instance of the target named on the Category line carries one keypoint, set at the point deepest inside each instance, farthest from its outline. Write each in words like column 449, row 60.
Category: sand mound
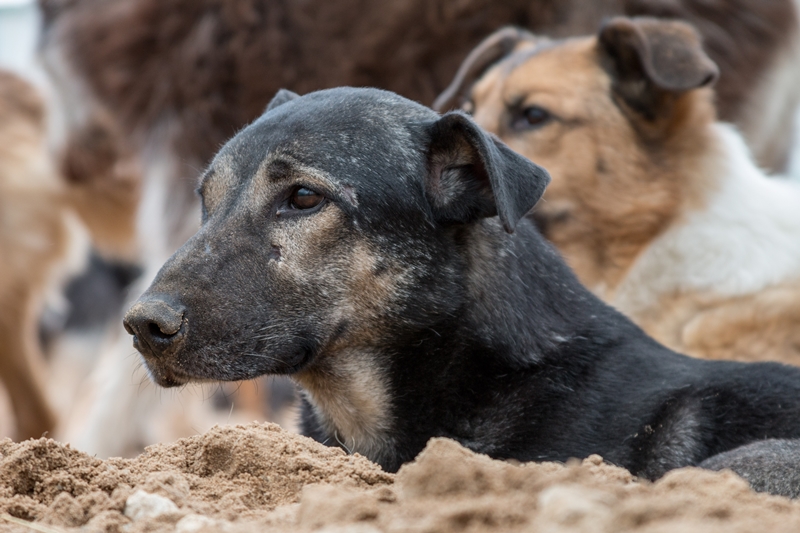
column 228, row 474
column 250, row 478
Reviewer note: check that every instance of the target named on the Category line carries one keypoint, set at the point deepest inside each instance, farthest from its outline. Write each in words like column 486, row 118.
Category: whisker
column 263, row 356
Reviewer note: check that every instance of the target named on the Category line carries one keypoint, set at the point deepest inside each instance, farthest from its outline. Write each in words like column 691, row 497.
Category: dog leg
column 771, row 465
column 21, row 365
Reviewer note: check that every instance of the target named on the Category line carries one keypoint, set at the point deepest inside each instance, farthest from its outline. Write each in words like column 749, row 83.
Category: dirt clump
column 231, row 473
column 259, row 478
column 448, row 489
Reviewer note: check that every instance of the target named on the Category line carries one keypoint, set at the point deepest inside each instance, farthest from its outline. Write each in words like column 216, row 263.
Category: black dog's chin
column 166, row 378
column 256, row 365
column 244, row 367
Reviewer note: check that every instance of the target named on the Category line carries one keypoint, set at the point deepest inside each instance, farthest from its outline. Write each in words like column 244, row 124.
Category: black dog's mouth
column 167, row 377
column 163, row 373
column 171, row 373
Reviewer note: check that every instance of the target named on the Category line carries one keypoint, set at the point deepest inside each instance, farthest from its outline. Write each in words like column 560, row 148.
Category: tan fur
column 755, row 327
column 104, row 183
column 618, row 183
column 348, row 390
column 33, row 238
column 101, row 171
column 351, row 400
column 346, row 385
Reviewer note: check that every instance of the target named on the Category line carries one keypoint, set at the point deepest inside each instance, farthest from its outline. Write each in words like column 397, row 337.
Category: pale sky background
column 19, row 25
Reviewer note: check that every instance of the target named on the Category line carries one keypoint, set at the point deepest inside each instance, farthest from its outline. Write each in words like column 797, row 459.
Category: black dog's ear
column 472, row 175
column 491, row 50
column 652, row 61
column 280, row 98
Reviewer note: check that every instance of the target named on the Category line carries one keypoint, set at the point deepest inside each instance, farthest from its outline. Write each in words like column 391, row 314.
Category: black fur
column 771, row 465
column 487, row 337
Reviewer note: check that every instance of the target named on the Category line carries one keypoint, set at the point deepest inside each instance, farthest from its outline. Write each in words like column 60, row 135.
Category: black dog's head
column 329, row 224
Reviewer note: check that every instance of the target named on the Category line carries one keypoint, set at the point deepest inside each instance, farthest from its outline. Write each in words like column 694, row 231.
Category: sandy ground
column 259, row 477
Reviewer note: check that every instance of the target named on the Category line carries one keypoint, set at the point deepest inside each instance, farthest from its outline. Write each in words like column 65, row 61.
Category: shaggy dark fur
column 740, row 36
column 212, row 65
column 378, row 253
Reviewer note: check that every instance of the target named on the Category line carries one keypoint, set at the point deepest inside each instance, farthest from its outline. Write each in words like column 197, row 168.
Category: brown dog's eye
column 531, row 118
column 304, row 198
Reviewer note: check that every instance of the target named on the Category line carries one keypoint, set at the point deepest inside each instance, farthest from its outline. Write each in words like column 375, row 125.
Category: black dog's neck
column 521, row 307
column 523, row 302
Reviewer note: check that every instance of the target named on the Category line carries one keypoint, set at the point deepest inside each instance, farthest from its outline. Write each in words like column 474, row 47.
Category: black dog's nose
column 155, row 324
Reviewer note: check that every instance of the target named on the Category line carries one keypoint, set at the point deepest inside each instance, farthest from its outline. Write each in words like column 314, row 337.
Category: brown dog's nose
column 156, row 325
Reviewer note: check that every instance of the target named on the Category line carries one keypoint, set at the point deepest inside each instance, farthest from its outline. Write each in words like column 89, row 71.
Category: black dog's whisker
column 263, row 356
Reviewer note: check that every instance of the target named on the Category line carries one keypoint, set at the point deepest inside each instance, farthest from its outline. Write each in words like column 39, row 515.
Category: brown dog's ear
column 491, row 50
column 280, row 98
column 652, row 60
column 473, row 175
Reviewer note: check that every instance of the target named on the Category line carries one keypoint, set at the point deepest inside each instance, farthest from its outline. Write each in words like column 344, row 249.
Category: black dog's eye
column 304, row 198
column 531, row 118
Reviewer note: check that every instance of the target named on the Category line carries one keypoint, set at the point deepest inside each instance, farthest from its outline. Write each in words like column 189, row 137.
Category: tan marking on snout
column 369, row 294
column 348, row 386
column 216, row 185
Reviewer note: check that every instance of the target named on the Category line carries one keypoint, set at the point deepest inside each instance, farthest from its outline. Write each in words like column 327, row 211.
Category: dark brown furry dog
column 208, row 67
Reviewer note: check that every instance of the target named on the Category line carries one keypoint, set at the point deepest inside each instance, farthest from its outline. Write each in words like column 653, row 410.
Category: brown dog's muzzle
column 158, row 326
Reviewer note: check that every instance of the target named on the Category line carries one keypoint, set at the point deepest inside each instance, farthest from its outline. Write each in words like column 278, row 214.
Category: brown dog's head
column 617, row 119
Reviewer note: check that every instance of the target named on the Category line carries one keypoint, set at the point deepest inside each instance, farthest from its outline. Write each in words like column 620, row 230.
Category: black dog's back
column 687, row 410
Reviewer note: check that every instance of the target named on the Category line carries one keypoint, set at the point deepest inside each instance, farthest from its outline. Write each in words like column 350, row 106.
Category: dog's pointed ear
column 495, row 47
column 473, row 175
column 652, row 61
column 280, row 98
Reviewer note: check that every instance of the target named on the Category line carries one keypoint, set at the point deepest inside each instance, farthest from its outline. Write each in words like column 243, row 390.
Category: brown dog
column 34, row 237
column 656, row 206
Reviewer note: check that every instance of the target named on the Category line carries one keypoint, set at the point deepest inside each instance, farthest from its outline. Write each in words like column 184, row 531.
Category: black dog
column 378, row 253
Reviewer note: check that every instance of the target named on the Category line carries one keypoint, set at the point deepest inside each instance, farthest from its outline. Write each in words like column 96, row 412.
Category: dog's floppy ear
column 652, row 61
column 280, row 98
column 472, row 175
column 491, row 50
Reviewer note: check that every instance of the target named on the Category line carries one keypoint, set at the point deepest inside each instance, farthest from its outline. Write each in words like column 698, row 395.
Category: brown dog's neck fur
column 671, row 154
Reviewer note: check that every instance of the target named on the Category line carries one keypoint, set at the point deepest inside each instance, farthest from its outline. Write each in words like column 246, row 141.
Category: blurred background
column 19, row 29
column 115, row 106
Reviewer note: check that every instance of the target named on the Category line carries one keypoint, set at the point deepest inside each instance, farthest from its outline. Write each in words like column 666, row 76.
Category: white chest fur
column 744, row 238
